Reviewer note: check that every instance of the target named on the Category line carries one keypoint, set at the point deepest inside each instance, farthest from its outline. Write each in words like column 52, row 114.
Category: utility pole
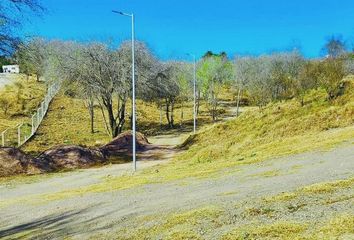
column 133, row 86
column 194, row 93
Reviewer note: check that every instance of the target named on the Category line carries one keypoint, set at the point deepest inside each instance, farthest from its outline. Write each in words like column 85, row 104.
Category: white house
column 11, row 69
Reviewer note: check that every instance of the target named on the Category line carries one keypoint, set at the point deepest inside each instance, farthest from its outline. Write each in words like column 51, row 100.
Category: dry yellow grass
column 67, row 122
column 24, row 96
column 248, row 139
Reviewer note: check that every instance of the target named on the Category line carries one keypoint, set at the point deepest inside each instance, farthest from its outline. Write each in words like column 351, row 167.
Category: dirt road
column 87, row 215
column 4, row 80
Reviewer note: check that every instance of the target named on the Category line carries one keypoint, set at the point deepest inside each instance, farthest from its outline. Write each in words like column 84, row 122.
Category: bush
column 5, row 105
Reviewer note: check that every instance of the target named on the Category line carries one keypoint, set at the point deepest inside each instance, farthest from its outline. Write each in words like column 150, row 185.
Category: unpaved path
column 87, row 215
column 4, row 80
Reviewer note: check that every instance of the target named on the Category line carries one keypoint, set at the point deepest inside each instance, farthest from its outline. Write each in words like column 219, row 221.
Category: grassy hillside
column 67, row 122
column 279, row 129
column 22, row 98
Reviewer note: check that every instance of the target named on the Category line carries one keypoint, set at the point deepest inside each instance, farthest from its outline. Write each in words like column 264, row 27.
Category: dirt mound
column 71, row 157
column 13, row 161
column 123, row 144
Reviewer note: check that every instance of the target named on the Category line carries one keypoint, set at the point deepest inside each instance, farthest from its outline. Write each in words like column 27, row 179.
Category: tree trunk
column 238, row 102
column 302, row 101
column 214, row 112
column 214, row 107
column 121, row 118
column 172, row 109
column 92, row 113
column 182, row 114
column 112, row 122
column 198, row 103
column 160, row 114
column 168, row 113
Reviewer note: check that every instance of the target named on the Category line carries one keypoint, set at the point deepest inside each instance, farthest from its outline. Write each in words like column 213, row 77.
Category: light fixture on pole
column 194, row 94
column 133, row 86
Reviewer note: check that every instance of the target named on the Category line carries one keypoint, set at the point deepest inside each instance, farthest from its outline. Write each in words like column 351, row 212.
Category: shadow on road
column 53, row 226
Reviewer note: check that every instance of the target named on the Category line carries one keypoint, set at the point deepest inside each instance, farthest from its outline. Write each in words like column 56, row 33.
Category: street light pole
column 133, row 86
column 194, row 94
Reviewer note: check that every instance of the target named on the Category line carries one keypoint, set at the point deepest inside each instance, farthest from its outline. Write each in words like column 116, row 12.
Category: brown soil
column 71, row 157
column 122, row 145
column 13, row 161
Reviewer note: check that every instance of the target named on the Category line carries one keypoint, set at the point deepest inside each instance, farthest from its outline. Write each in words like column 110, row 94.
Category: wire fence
column 20, row 134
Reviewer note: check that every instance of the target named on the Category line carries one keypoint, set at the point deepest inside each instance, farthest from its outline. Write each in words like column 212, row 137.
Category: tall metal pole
column 133, row 86
column 133, row 80
column 194, row 93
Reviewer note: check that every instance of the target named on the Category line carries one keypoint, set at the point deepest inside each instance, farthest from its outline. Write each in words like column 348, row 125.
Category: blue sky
column 174, row 27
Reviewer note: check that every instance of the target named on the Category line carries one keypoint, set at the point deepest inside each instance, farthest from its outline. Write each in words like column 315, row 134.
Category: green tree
column 213, row 72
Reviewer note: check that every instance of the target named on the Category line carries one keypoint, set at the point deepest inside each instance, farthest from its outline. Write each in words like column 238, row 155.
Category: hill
column 280, row 129
column 18, row 101
column 67, row 122
column 241, row 179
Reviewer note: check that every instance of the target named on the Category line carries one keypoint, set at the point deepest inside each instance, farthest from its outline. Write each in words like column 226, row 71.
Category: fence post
column 3, row 138
column 33, row 127
column 42, row 106
column 35, row 120
column 38, row 117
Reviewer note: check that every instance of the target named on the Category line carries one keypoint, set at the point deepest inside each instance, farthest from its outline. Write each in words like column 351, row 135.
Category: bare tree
column 32, row 56
column 285, row 69
column 258, row 86
column 11, row 17
column 163, row 87
column 243, row 70
column 334, row 47
column 331, row 73
column 308, row 79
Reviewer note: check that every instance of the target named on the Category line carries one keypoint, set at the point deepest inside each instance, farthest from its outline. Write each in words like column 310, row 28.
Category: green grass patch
column 318, row 188
column 278, row 230
column 327, row 187
column 337, row 227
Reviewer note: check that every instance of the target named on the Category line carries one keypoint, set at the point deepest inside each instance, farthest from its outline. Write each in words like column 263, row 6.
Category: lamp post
column 194, row 94
column 133, row 86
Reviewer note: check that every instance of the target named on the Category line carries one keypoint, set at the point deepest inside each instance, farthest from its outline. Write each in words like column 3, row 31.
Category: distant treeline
column 101, row 75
